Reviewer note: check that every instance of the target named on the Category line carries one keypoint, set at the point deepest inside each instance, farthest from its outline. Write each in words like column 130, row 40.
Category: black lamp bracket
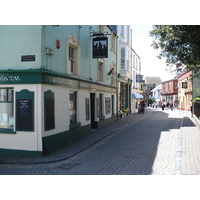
column 95, row 34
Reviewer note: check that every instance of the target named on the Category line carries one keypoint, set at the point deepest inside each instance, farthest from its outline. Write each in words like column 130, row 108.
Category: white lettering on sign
column 9, row 78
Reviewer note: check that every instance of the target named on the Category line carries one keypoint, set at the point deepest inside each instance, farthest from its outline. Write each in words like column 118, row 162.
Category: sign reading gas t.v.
column 100, row 47
column 24, row 111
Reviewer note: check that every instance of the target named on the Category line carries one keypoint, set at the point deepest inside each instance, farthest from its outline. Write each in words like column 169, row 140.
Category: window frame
column 100, row 70
column 72, row 59
column 123, row 58
column 73, row 62
column 8, row 100
column 100, row 105
column 73, row 107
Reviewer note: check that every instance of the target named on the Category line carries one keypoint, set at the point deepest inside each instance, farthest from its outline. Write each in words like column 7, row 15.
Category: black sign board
column 24, row 115
column 27, row 58
column 100, row 47
column 184, row 85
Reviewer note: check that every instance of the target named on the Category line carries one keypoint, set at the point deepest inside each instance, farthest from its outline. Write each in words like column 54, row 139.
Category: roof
column 152, row 80
column 157, row 88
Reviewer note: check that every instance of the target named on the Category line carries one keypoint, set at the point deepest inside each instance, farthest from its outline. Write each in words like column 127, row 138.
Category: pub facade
column 52, row 90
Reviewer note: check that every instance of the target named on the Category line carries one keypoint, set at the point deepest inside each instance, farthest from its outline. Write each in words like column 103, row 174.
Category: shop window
column 6, row 108
column 100, row 105
column 72, row 107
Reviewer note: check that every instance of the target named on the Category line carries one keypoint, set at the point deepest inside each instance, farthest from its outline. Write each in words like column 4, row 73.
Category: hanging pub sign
column 139, row 78
column 184, row 85
column 100, row 47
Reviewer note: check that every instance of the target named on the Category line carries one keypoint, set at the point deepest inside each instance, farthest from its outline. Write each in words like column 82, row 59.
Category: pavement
column 80, row 145
column 182, row 141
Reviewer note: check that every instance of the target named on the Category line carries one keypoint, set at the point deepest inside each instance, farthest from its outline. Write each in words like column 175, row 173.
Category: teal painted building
column 52, row 90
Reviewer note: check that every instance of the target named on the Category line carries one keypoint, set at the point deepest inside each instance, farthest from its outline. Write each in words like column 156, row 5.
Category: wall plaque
column 27, row 58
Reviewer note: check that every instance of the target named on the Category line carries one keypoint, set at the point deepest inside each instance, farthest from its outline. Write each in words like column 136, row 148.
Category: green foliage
column 198, row 91
column 179, row 44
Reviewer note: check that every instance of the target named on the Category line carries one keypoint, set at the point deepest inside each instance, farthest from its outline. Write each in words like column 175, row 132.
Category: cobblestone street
column 158, row 143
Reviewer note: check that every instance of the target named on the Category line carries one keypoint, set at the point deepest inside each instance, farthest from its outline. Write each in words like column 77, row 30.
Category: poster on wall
column 100, row 47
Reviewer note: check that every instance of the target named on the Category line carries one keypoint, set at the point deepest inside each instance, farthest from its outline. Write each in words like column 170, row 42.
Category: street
column 158, row 143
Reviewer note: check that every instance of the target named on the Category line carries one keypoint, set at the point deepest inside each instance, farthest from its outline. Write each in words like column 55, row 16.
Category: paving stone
column 158, row 143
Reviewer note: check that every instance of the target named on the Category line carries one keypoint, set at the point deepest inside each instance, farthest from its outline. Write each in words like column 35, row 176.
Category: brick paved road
column 159, row 143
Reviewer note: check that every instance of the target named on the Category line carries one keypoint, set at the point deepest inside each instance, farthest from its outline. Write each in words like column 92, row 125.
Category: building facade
column 124, row 74
column 54, row 88
column 170, row 91
column 185, row 90
column 137, row 95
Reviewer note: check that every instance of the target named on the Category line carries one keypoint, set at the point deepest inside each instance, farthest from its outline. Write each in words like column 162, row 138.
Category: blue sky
column 141, row 43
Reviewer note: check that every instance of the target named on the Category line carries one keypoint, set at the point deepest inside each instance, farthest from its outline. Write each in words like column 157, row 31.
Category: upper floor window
column 127, row 61
column 128, row 34
column 100, row 71
column 73, row 55
column 122, row 58
column 72, row 59
column 169, row 86
column 113, row 42
column 101, row 28
column 133, row 61
column 164, row 87
column 122, row 30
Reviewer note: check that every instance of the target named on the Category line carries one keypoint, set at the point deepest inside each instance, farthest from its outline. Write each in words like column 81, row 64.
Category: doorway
column 92, row 111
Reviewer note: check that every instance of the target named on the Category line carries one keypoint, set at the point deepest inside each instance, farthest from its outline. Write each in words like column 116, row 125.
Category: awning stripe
column 137, row 96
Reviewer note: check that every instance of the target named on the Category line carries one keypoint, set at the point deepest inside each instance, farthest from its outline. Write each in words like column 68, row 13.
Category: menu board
column 24, row 115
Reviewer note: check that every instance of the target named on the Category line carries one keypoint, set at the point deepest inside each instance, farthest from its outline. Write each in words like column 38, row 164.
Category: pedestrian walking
column 143, row 106
column 167, row 105
column 191, row 108
column 139, row 108
column 163, row 106
column 171, row 106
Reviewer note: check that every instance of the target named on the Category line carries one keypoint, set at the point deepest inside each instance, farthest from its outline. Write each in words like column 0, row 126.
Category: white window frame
column 123, row 58
column 73, row 63
column 100, row 70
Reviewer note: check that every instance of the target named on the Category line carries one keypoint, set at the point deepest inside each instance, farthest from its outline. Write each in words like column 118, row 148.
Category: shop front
column 41, row 111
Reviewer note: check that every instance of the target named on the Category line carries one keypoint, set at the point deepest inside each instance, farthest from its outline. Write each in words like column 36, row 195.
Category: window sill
column 7, row 131
column 73, row 126
column 101, row 118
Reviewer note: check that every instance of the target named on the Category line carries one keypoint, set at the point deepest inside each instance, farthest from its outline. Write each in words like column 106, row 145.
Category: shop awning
column 137, row 96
